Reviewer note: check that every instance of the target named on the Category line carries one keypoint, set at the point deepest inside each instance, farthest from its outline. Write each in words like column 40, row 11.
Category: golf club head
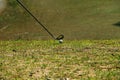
column 60, row 38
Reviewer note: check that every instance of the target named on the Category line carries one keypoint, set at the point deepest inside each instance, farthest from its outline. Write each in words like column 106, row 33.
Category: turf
column 78, row 19
column 49, row 60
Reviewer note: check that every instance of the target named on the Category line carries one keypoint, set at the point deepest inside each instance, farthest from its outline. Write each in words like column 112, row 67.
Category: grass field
column 29, row 53
column 49, row 60
column 78, row 19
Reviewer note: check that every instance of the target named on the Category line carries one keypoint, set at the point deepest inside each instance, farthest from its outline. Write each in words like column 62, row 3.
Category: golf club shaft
column 36, row 19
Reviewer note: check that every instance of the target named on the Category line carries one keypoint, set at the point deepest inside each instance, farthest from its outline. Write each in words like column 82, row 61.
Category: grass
column 76, row 19
column 49, row 60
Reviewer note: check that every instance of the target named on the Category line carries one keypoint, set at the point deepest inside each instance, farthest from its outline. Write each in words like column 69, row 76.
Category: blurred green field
column 48, row 60
column 76, row 19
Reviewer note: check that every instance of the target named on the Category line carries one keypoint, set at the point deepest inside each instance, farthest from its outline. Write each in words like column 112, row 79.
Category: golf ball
column 60, row 41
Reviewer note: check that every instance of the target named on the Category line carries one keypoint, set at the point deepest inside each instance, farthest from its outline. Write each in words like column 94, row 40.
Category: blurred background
column 76, row 19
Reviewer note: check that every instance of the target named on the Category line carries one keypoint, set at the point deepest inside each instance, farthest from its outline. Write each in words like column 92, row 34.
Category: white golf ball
column 60, row 41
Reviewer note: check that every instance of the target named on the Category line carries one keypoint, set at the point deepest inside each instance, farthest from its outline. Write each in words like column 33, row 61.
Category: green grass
column 75, row 60
column 78, row 19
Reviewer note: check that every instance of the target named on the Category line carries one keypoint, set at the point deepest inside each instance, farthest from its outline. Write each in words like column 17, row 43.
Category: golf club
column 60, row 37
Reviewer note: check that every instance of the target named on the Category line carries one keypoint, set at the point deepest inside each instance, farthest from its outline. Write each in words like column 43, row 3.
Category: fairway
column 78, row 19
column 49, row 60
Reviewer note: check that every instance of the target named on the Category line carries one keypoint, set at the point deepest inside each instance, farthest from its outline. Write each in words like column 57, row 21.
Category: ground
column 49, row 60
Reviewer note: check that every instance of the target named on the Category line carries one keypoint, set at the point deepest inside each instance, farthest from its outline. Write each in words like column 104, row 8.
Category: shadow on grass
column 117, row 24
